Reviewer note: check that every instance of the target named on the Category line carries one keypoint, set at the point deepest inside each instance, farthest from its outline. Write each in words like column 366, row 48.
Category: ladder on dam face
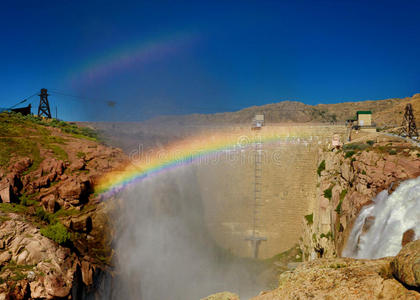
column 255, row 239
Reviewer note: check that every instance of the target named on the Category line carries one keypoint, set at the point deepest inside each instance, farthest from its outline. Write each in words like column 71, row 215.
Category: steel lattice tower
column 44, row 106
column 409, row 127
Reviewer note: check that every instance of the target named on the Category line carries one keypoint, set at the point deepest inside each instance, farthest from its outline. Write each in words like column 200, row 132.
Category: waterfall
column 164, row 248
column 379, row 228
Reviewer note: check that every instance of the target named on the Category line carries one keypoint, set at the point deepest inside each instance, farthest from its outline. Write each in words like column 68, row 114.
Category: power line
column 23, row 101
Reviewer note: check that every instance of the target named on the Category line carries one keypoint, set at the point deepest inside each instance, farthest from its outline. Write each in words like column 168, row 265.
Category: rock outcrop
column 406, row 265
column 43, row 268
column 340, row 278
column 353, row 279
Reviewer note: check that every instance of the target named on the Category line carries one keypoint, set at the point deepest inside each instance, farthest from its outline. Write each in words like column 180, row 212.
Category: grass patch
column 12, row 208
column 28, row 200
column 57, row 232
column 310, row 219
column 13, row 266
column 337, row 266
column 66, row 213
column 59, row 152
column 321, row 167
column 355, row 146
column 349, row 154
column 392, row 152
column 328, row 193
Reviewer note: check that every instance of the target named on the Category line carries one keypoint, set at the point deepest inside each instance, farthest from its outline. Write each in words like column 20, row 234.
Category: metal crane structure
column 44, row 105
column 409, row 127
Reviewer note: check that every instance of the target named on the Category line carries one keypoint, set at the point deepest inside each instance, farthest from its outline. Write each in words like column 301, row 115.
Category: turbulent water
column 164, row 249
column 379, row 228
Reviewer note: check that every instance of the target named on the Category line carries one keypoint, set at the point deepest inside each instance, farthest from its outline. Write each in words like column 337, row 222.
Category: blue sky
column 172, row 57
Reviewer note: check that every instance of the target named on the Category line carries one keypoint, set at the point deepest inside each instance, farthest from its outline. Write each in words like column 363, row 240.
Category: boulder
column 38, row 290
column 408, row 237
column 79, row 164
column 56, row 286
column 6, row 192
column 5, row 257
column 21, row 165
column 49, row 203
column 75, row 190
column 87, row 273
column 406, row 265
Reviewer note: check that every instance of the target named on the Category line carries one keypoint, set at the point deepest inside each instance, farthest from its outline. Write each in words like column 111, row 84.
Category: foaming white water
column 386, row 220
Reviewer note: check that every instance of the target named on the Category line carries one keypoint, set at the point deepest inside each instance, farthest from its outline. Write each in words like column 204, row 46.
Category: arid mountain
column 164, row 129
column 385, row 112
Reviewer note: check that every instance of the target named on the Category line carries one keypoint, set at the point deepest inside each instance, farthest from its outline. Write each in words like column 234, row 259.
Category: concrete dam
column 288, row 187
column 197, row 223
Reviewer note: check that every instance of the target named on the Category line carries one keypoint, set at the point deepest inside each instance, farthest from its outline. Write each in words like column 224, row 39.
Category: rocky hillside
column 55, row 235
column 385, row 112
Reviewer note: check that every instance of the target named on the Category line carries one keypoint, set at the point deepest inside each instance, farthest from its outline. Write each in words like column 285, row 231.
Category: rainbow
column 133, row 54
column 185, row 152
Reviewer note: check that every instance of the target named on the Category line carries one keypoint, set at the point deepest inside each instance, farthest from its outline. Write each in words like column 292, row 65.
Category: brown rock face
column 406, row 265
column 408, row 237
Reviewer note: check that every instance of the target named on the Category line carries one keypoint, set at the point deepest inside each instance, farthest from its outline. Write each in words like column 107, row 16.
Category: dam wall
column 288, row 190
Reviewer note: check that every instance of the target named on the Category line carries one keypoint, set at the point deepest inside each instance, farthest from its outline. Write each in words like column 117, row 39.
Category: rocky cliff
column 349, row 178
column 55, row 233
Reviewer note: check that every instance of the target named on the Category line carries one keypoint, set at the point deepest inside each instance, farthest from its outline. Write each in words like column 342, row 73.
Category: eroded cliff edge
column 55, row 234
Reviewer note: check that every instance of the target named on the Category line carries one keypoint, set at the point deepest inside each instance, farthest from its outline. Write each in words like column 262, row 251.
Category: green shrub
column 343, row 194
column 81, row 154
column 328, row 193
column 321, row 167
column 310, row 219
column 370, row 142
column 328, row 235
column 349, row 154
column 355, row 146
column 340, row 203
column 57, row 232
column 392, row 152
column 27, row 200
column 41, row 214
